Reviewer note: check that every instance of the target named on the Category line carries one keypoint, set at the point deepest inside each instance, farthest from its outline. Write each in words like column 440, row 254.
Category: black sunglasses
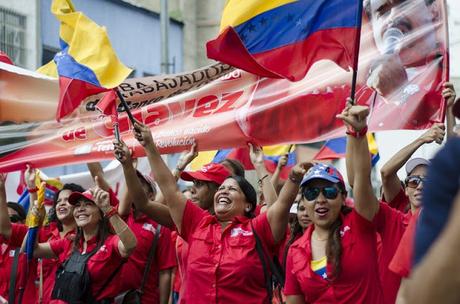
column 329, row 192
column 412, row 181
column 15, row 219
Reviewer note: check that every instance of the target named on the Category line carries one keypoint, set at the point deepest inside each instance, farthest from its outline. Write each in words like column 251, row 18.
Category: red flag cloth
column 4, row 58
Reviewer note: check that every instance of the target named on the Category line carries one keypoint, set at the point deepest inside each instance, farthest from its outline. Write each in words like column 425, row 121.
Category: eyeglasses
column 311, row 193
column 412, row 181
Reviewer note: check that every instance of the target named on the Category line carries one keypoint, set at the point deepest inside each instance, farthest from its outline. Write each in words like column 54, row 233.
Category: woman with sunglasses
column 335, row 261
column 223, row 263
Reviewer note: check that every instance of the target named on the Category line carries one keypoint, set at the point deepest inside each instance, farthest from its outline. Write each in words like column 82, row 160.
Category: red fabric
column 182, row 257
column 357, row 283
column 50, row 266
column 401, row 264
column 133, row 270
column 223, row 265
column 71, row 94
column 390, row 225
column 5, row 59
column 18, row 234
column 399, row 202
column 302, row 55
column 100, row 266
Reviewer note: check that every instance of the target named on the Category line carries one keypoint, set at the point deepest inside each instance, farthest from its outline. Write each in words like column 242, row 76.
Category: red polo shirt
column 357, row 283
column 100, row 266
column 133, row 270
column 223, row 264
column 181, row 256
column 390, row 224
column 401, row 264
column 50, row 266
column 400, row 202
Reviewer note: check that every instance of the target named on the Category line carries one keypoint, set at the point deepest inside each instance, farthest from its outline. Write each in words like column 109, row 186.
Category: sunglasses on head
column 15, row 219
column 412, row 181
column 329, row 192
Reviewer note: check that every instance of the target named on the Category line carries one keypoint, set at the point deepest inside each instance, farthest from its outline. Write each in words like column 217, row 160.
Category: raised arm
column 257, row 158
column 276, row 175
column 366, row 204
column 95, row 169
column 448, row 93
column 278, row 213
column 128, row 241
column 174, row 198
column 29, row 177
column 390, row 180
column 136, row 194
column 5, row 224
column 185, row 159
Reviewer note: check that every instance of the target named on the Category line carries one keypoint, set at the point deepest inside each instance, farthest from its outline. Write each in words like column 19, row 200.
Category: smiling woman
column 223, row 263
column 95, row 255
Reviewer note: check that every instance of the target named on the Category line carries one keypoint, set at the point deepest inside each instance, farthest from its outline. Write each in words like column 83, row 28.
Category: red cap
column 76, row 196
column 212, row 172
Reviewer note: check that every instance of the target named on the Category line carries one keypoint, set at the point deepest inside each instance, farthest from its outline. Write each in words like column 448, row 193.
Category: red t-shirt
column 357, row 283
column 100, row 266
column 181, row 256
column 390, row 224
column 223, row 264
column 401, row 264
column 400, row 202
column 133, row 270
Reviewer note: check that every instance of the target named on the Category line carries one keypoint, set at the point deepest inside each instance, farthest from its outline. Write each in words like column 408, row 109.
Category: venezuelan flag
column 86, row 64
column 336, row 148
column 284, row 38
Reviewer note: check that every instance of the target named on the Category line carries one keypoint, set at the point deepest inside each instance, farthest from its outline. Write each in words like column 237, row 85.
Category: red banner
column 403, row 63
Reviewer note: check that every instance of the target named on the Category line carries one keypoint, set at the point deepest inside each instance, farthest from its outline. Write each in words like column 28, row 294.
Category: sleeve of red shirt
column 61, row 248
column 389, row 221
column 263, row 230
column 191, row 218
column 399, row 202
column 401, row 263
column 291, row 285
column 18, row 233
column 166, row 254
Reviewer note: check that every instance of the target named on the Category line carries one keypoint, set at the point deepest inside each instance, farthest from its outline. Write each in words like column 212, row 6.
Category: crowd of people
column 220, row 242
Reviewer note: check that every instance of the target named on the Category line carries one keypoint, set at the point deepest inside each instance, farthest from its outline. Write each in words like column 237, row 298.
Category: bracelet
column 33, row 190
column 295, row 180
column 110, row 213
column 357, row 134
column 261, row 179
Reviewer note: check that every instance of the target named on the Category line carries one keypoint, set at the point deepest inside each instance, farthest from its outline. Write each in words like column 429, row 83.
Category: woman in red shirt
column 91, row 260
column 223, row 263
column 335, row 261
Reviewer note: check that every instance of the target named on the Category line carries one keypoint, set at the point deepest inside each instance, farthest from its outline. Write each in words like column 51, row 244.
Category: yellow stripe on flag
column 277, row 150
column 203, row 158
column 372, row 144
column 239, row 11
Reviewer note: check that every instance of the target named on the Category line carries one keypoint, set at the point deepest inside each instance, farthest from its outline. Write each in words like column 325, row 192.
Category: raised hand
column 143, row 134
column 354, row 117
column 187, row 157
column 101, row 197
column 298, row 171
column 121, row 152
column 256, row 154
column 3, row 177
column 29, row 176
column 435, row 134
column 448, row 93
column 283, row 161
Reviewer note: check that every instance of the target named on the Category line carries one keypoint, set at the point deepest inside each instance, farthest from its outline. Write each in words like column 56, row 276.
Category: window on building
column 12, row 35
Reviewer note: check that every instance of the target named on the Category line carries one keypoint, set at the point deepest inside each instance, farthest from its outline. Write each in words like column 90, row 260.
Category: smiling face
column 86, row 214
column 64, row 210
column 230, row 201
column 415, row 194
column 302, row 214
column 414, row 18
column 322, row 211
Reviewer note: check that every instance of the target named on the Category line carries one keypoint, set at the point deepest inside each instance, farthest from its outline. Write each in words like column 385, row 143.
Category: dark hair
column 296, row 231
column 367, row 7
column 103, row 232
column 52, row 217
column 334, row 242
column 19, row 210
column 235, row 165
column 249, row 193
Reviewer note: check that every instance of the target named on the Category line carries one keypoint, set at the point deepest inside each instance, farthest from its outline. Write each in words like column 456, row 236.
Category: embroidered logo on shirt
column 103, row 248
column 11, row 253
column 239, row 231
column 345, row 229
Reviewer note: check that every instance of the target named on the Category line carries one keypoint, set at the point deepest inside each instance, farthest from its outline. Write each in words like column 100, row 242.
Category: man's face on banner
column 414, row 18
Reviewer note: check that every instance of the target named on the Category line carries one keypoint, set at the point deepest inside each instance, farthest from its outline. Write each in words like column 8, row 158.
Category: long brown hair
column 103, row 231
column 334, row 244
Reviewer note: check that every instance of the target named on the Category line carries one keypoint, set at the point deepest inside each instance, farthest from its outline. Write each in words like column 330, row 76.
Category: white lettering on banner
column 174, row 142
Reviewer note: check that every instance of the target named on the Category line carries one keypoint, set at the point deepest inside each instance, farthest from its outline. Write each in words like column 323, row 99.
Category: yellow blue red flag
column 86, row 64
column 284, row 38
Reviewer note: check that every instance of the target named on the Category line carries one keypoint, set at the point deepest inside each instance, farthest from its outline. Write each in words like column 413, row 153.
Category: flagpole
column 359, row 17
column 125, row 105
